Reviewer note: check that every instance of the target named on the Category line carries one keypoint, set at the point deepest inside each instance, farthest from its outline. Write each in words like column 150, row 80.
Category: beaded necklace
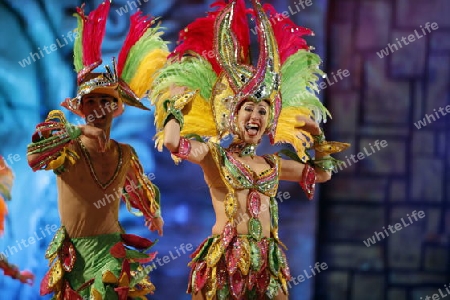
column 87, row 157
column 242, row 148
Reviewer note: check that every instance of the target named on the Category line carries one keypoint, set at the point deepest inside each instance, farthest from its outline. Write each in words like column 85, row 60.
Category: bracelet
column 66, row 133
column 43, row 160
column 184, row 149
column 308, row 181
column 326, row 163
column 49, row 126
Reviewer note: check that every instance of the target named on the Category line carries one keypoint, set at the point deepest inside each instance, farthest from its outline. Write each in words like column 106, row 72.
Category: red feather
column 136, row 241
column 94, row 26
column 287, row 33
column 198, row 36
column 138, row 26
column 118, row 250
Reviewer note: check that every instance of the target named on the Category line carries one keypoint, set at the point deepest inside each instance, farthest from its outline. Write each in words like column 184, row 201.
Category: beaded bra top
column 240, row 176
column 237, row 176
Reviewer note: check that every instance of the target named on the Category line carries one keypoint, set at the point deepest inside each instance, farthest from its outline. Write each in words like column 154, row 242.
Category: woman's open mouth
column 252, row 129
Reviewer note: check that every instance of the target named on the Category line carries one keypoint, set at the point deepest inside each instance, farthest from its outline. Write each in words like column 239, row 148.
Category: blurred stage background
column 380, row 100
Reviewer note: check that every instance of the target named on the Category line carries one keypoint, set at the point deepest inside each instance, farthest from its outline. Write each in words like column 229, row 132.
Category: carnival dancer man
column 90, row 256
column 6, row 181
column 202, row 97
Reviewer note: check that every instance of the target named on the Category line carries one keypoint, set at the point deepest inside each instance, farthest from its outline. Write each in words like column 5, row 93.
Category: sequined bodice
column 240, row 176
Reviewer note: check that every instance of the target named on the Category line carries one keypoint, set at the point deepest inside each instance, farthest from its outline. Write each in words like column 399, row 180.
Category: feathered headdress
column 209, row 75
column 6, row 181
column 143, row 52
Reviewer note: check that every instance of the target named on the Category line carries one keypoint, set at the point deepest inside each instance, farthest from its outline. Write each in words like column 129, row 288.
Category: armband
column 308, row 181
column 184, row 149
column 326, row 163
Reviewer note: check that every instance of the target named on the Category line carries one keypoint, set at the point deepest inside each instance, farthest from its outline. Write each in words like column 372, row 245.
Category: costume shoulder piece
column 139, row 192
column 209, row 75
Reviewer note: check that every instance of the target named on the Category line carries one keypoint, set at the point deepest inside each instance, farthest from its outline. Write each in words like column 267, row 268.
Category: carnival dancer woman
column 200, row 99
column 90, row 256
column 6, row 181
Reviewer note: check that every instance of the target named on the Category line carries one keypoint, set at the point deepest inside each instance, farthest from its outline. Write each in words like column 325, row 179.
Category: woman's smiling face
column 252, row 121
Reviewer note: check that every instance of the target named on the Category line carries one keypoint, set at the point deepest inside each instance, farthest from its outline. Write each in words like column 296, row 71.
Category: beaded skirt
column 238, row 267
column 98, row 267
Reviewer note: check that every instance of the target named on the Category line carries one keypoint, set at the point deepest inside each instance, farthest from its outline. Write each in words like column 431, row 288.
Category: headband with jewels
column 210, row 74
column 143, row 52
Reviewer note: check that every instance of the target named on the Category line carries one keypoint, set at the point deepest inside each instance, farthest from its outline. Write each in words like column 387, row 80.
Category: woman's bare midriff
column 242, row 214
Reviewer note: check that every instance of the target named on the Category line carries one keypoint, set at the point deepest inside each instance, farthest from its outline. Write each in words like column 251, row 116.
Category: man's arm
column 140, row 193
column 49, row 149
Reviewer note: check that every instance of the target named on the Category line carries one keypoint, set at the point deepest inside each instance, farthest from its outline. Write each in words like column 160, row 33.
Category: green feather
column 299, row 76
column 77, row 45
column 291, row 154
column 195, row 73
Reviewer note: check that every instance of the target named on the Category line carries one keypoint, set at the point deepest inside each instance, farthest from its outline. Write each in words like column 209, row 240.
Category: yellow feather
column 197, row 113
column 198, row 118
column 160, row 111
column 143, row 78
column 287, row 132
column 159, row 140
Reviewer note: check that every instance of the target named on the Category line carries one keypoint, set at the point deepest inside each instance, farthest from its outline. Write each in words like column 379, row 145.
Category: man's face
column 252, row 119
column 98, row 109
